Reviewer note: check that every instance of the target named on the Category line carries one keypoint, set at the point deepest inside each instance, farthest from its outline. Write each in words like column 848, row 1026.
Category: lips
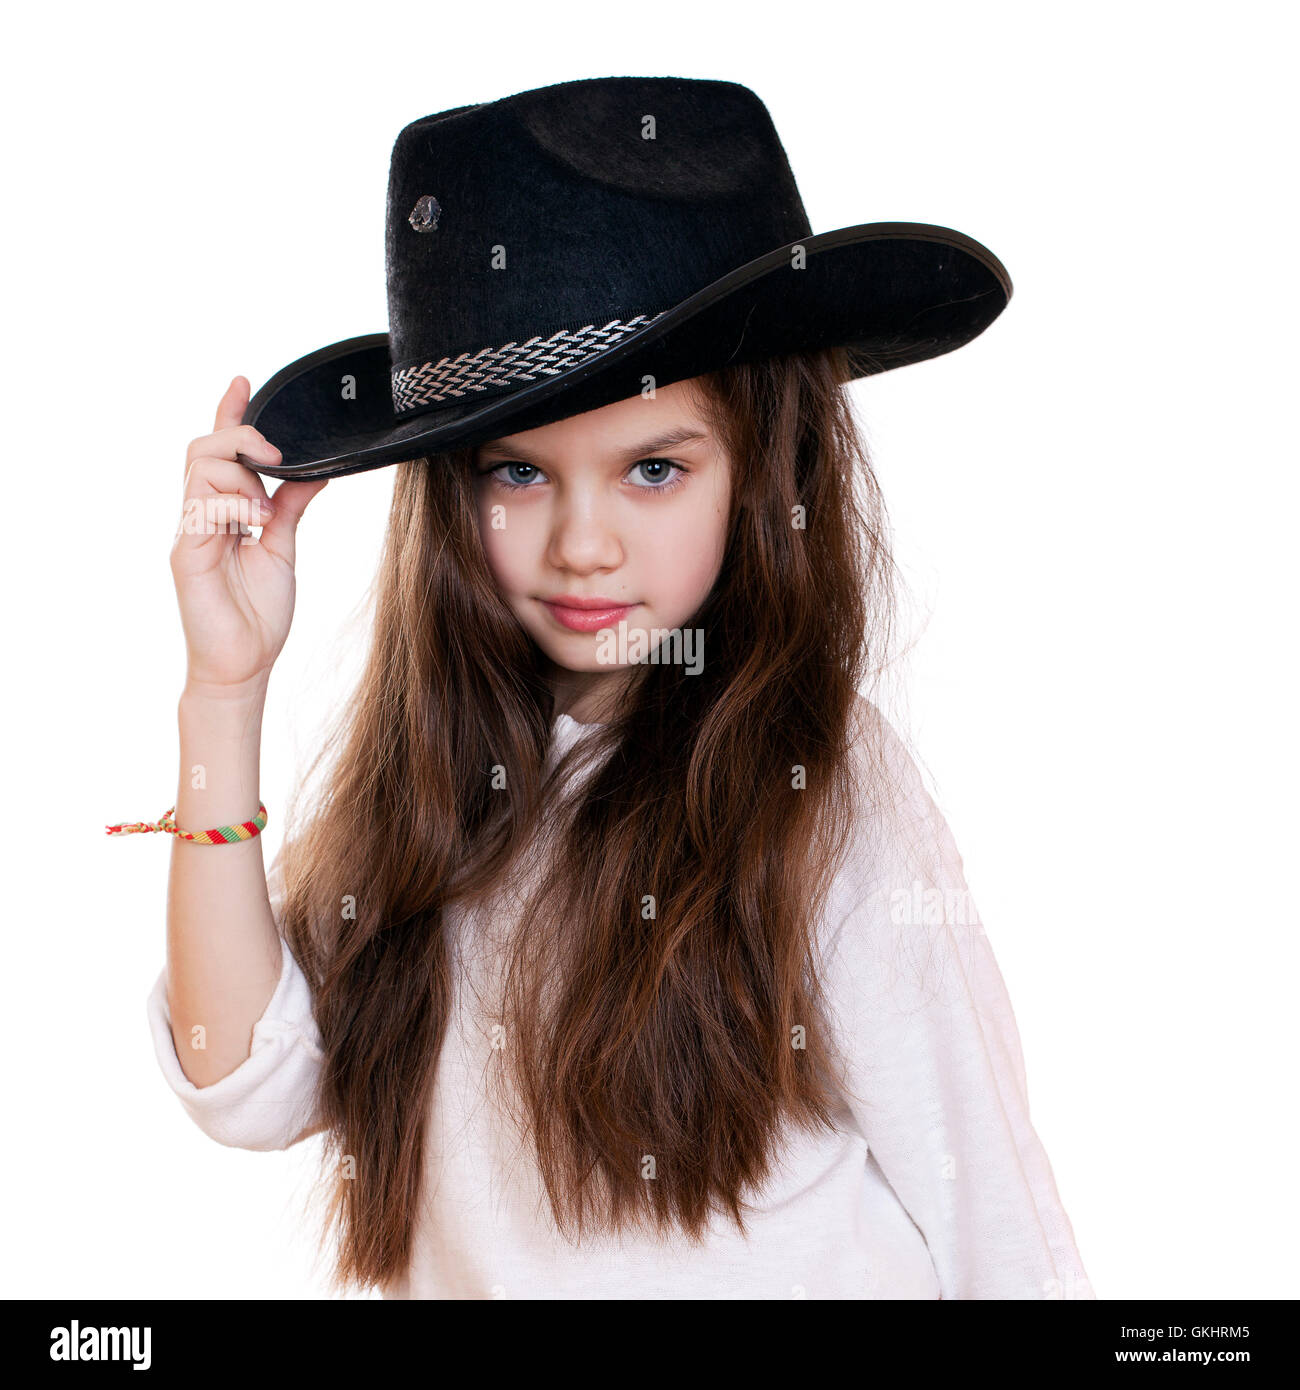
column 586, row 614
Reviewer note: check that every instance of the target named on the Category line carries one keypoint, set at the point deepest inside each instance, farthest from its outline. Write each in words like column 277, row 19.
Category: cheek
column 684, row 555
column 503, row 558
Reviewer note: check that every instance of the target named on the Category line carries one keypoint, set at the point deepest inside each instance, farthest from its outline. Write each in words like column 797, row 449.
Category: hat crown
column 582, row 203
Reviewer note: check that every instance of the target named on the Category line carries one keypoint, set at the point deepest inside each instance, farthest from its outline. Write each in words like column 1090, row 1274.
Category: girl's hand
column 236, row 594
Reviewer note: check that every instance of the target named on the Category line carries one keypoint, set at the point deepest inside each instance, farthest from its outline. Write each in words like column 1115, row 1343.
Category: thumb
column 290, row 500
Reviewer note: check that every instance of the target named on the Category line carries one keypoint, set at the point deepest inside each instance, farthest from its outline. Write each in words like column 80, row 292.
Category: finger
column 220, row 514
column 224, row 443
column 231, row 409
column 230, row 412
column 222, row 447
column 211, row 475
column 290, row 501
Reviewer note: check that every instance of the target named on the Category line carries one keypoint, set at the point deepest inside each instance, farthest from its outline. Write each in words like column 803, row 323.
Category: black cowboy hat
column 549, row 251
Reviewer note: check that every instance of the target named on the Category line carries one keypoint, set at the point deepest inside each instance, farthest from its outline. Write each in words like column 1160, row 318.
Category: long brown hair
column 667, row 965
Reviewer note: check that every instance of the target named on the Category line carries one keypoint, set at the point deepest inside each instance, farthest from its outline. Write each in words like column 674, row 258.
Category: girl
column 624, row 954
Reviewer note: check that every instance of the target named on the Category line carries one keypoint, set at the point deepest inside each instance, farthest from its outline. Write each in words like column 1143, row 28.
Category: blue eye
column 492, row 473
column 495, row 473
column 662, row 463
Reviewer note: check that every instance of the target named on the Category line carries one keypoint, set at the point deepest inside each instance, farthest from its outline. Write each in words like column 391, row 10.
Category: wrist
column 241, row 695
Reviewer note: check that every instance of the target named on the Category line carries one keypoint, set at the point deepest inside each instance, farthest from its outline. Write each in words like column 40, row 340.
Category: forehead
column 672, row 418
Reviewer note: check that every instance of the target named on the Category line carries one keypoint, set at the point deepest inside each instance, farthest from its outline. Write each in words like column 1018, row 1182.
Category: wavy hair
column 668, row 960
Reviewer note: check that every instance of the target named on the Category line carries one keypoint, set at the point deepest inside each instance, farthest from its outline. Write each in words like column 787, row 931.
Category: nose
column 583, row 536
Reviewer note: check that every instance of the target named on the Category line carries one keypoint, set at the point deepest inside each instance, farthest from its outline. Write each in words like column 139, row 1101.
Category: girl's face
column 626, row 505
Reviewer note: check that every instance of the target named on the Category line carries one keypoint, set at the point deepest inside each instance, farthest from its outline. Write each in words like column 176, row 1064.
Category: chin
column 586, row 665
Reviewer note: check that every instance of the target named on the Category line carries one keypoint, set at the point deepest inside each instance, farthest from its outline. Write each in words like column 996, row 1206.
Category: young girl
column 624, row 954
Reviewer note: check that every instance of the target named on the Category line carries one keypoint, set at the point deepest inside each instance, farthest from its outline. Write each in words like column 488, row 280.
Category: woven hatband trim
column 452, row 377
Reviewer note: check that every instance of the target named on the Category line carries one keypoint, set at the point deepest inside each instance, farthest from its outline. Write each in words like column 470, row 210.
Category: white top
column 933, row 1185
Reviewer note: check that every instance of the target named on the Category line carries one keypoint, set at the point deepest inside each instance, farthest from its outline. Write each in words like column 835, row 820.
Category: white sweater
column 933, row 1185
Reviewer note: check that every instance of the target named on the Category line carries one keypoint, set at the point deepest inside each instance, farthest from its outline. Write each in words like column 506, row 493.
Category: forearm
column 223, row 949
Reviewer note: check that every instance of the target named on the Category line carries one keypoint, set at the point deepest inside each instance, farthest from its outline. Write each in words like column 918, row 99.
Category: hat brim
column 892, row 293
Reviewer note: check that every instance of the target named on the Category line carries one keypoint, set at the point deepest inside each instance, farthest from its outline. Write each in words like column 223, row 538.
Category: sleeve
column 270, row 1100
column 932, row 1065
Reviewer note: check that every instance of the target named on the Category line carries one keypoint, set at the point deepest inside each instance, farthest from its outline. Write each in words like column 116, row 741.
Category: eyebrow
column 670, row 439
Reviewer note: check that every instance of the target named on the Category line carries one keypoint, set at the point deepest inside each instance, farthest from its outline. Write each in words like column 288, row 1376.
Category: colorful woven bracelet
column 222, row 835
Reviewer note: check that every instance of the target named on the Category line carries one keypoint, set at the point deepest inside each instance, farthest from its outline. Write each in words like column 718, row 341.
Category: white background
column 1093, row 504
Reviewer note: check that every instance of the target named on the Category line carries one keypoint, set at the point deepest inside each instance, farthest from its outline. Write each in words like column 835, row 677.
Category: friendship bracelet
column 222, row 835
